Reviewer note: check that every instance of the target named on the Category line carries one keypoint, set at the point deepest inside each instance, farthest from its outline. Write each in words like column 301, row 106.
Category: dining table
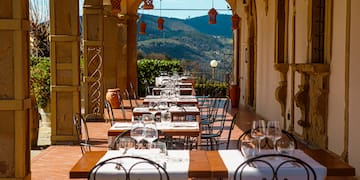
column 219, row 164
column 183, row 90
column 181, row 100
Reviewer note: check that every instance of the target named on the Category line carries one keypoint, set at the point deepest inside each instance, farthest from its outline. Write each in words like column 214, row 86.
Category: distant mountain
column 193, row 40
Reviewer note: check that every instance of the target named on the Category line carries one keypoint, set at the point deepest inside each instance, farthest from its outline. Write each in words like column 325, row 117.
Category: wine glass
column 153, row 108
column 150, row 132
column 273, row 132
column 160, row 152
column 165, row 118
column 258, row 131
column 148, row 118
column 137, row 132
column 285, row 146
column 247, row 147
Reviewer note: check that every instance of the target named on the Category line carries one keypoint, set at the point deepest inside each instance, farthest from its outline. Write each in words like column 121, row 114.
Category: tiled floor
column 54, row 162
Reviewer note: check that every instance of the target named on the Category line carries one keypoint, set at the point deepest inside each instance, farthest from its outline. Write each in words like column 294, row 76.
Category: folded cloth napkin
column 233, row 158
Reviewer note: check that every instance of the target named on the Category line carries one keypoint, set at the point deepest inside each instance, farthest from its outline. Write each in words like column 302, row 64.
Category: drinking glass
column 126, row 144
column 137, row 132
column 285, row 146
column 258, row 131
column 150, row 132
column 148, row 118
column 160, row 152
column 165, row 118
column 248, row 147
column 163, row 105
column 273, row 132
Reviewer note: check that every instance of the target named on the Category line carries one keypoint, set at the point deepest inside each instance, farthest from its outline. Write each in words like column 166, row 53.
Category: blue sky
column 204, row 5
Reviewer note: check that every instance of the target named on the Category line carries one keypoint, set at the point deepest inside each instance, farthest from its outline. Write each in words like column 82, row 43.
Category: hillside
column 192, row 39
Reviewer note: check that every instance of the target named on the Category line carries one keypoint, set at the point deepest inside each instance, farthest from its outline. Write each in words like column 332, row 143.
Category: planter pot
column 112, row 95
column 234, row 95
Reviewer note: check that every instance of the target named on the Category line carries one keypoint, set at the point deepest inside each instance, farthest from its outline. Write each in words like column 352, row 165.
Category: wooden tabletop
column 208, row 164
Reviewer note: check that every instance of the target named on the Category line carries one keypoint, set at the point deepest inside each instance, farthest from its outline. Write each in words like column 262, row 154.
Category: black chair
column 232, row 126
column 216, row 127
column 124, row 170
column 109, row 112
column 83, row 136
column 278, row 170
column 117, row 139
column 266, row 143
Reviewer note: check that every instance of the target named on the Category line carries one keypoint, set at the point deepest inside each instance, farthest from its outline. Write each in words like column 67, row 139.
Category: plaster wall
column 354, row 89
column 301, row 46
column 337, row 79
column 267, row 78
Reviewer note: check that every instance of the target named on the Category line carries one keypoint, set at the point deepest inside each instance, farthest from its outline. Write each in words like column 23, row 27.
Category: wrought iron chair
column 83, row 136
column 232, row 126
column 109, row 112
column 125, row 167
column 277, row 170
column 216, row 127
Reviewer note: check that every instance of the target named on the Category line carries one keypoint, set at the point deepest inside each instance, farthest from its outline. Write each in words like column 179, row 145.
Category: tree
column 39, row 28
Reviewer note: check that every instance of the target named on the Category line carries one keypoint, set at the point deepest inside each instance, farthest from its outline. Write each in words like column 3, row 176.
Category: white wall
column 354, row 90
column 267, row 77
column 337, row 79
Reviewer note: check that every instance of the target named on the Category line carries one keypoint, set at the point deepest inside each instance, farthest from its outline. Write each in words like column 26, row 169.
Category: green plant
column 148, row 69
column 40, row 80
column 210, row 88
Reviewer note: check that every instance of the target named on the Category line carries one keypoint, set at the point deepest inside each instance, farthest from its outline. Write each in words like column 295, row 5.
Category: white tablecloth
column 233, row 158
column 159, row 126
column 177, row 165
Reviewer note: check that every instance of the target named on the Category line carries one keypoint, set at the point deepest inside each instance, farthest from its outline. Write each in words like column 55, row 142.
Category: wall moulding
column 312, row 99
column 281, row 90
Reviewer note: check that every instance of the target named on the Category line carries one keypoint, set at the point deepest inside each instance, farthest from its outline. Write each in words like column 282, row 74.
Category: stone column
column 65, row 69
column 14, row 90
column 132, row 51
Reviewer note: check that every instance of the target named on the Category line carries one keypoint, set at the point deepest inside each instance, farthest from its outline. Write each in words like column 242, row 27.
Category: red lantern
column 235, row 19
column 142, row 27
column 116, row 6
column 212, row 16
column 160, row 23
column 148, row 4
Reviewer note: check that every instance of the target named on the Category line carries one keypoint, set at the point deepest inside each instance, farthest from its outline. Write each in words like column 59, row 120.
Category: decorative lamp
column 235, row 19
column 142, row 27
column 148, row 4
column 212, row 16
column 116, row 6
column 160, row 22
column 213, row 63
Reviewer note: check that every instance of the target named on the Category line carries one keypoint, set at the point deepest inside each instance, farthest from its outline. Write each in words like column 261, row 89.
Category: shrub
column 148, row 69
column 40, row 80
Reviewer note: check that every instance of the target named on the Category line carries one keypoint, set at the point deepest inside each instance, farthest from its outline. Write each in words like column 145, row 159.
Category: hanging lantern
column 212, row 16
column 235, row 19
column 142, row 27
column 116, row 6
column 148, row 4
column 160, row 22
